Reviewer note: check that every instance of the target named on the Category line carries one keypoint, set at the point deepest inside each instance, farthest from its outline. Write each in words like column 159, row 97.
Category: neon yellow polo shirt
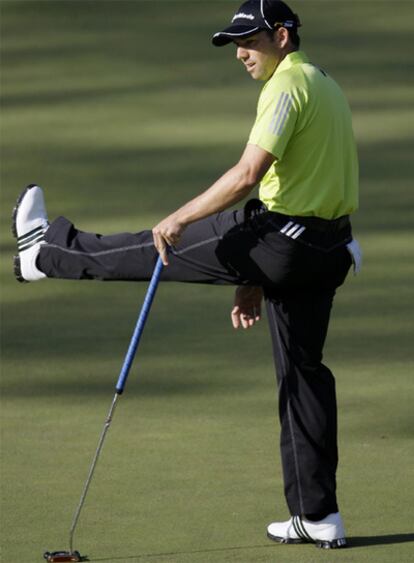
column 304, row 120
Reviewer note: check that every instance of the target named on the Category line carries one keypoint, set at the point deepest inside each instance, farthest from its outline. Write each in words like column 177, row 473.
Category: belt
column 322, row 234
column 255, row 207
column 322, row 225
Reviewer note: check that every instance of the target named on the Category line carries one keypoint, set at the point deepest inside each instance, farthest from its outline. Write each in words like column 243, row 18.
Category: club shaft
column 129, row 357
column 139, row 327
column 91, row 470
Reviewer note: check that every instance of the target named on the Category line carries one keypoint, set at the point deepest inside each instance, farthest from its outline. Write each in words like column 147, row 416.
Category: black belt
column 319, row 224
column 322, row 234
column 255, row 207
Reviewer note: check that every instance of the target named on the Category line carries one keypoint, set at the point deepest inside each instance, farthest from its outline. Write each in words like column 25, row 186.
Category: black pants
column 299, row 276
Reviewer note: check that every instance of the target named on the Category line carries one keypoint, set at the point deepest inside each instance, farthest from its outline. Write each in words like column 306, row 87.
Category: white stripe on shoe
column 30, row 233
column 38, row 239
column 300, row 529
column 27, row 242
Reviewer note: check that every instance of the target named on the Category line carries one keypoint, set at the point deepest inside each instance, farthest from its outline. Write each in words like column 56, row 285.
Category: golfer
column 293, row 247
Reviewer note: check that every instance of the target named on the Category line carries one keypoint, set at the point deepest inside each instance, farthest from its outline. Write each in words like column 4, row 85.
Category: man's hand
column 247, row 306
column 167, row 233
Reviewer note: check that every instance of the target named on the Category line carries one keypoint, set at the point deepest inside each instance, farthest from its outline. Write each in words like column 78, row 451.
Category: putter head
column 56, row 556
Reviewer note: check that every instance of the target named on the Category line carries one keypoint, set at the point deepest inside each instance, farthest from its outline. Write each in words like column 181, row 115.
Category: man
column 293, row 246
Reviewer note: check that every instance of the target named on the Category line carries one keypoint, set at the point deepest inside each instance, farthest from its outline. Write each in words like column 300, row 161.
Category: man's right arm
column 229, row 189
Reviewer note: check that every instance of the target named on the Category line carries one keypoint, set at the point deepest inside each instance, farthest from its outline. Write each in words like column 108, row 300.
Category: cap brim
column 233, row 32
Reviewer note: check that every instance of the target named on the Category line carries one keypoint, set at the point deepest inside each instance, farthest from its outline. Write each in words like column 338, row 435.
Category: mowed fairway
column 122, row 111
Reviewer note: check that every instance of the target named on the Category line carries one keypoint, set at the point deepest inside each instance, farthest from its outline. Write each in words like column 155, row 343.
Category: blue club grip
column 139, row 327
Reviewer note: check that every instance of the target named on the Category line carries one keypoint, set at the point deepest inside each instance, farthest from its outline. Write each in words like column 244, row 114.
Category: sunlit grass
column 122, row 111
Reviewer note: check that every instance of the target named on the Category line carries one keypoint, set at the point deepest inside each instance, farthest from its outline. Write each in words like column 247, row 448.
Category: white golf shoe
column 328, row 533
column 29, row 227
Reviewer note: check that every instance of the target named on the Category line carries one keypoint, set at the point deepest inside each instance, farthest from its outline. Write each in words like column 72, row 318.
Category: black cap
column 254, row 16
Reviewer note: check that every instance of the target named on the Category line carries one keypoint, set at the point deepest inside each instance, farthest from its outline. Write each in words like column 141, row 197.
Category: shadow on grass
column 357, row 541
column 142, row 389
column 109, row 36
column 192, row 552
column 365, row 541
column 180, row 173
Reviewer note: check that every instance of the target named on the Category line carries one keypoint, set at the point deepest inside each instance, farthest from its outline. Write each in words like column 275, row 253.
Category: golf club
column 71, row 555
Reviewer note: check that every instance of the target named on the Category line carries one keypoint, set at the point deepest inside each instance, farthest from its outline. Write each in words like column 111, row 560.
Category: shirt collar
column 294, row 58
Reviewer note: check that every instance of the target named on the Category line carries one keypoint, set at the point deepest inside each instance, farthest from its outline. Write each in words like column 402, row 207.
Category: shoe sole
column 323, row 544
column 16, row 259
column 17, row 270
column 16, row 208
column 334, row 544
column 285, row 540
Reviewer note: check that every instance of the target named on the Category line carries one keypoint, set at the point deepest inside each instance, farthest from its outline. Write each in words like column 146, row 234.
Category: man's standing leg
column 307, row 408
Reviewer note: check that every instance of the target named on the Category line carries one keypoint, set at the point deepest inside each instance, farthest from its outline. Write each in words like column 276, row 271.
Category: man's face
column 260, row 54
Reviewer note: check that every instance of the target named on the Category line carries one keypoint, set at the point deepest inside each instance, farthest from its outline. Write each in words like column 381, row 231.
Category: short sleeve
column 275, row 122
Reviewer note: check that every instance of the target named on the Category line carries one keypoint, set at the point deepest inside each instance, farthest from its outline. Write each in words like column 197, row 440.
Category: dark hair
column 293, row 34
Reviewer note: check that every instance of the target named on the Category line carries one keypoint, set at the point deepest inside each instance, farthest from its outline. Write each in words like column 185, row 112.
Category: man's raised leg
column 208, row 252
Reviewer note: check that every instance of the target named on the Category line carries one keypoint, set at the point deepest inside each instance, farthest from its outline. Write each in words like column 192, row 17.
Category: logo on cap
column 242, row 15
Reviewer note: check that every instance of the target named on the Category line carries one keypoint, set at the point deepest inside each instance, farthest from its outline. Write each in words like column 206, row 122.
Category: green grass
column 123, row 110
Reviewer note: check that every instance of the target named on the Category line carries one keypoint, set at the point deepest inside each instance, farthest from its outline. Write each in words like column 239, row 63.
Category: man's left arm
column 229, row 189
